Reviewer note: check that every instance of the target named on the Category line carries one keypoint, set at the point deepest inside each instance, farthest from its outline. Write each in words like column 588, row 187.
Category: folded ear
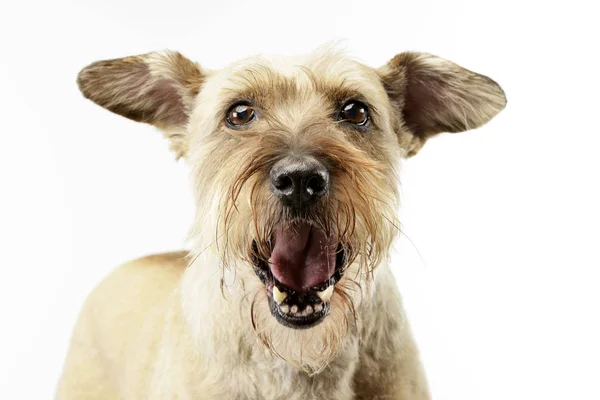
column 156, row 88
column 433, row 95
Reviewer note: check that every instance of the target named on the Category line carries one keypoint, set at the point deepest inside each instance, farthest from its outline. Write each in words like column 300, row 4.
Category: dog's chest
column 279, row 381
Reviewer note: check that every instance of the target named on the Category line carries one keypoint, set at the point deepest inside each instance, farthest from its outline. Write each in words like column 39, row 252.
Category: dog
column 286, row 291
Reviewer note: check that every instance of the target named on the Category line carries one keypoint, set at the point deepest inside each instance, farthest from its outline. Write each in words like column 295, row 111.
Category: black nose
column 299, row 182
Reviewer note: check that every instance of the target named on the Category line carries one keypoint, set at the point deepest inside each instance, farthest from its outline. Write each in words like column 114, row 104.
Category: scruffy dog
column 286, row 292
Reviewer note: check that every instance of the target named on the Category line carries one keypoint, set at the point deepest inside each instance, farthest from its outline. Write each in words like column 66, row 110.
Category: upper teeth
column 325, row 295
column 278, row 295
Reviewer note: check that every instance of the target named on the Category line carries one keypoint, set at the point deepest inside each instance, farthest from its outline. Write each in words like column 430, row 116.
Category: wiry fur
column 206, row 331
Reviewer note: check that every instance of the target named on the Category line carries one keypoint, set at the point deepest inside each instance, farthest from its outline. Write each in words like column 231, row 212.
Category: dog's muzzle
column 304, row 262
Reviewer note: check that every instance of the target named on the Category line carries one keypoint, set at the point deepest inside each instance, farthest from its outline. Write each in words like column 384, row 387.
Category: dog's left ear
column 155, row 88
column 433, row 95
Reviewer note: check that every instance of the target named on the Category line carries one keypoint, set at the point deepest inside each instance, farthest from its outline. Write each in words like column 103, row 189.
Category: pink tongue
column 302, row 256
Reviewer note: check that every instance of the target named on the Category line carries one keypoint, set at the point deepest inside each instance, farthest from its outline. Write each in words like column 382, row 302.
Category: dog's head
column 294, row 163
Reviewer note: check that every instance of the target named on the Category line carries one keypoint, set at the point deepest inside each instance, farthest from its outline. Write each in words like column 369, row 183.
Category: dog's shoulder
column 121, row 321
column 136, row 288
column 144, row 278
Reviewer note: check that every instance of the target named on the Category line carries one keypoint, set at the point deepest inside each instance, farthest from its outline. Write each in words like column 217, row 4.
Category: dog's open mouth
column 300, row 274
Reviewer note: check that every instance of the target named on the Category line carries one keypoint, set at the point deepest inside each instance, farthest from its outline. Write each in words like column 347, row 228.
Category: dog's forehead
column 324, row 72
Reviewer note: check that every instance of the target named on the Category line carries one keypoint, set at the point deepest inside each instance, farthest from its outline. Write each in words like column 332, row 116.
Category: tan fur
column 197, row 325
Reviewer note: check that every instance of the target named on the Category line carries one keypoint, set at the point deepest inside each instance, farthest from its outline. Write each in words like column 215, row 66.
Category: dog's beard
column 312, row 349
column 309, row 350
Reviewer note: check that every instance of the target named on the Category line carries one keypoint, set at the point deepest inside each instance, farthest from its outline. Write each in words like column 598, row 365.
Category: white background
column 505, row 295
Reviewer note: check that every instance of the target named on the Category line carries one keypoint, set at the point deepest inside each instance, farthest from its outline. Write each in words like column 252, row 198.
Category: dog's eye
column 240, row 114
column 355, row 112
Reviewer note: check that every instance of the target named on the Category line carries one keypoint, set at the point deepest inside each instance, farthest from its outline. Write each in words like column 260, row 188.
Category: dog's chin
column 294, row 304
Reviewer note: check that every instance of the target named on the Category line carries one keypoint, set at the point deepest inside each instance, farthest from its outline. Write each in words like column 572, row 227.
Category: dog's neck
column 220, row 330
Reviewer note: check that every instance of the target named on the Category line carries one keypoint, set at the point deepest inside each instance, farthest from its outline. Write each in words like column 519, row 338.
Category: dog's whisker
column 400, row 231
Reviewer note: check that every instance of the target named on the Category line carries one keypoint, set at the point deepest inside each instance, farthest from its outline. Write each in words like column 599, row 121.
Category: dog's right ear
column 155, row 88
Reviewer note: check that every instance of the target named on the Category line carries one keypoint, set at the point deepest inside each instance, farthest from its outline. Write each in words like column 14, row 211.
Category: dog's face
column 294, row 163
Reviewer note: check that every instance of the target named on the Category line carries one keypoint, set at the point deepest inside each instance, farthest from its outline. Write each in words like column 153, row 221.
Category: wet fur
column 197, row 324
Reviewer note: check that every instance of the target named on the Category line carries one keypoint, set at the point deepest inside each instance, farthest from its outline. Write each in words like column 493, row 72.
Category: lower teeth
column 279, row 296
column 315, row 308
